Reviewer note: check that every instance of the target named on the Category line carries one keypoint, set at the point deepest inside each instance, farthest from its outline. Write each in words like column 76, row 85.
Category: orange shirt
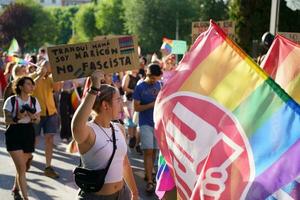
column 44, row 93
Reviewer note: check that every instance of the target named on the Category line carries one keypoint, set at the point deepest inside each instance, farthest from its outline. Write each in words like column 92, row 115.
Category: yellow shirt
column 44, row 93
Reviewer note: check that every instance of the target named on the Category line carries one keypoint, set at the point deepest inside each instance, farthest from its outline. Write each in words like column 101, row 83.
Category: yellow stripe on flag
column 217, row 75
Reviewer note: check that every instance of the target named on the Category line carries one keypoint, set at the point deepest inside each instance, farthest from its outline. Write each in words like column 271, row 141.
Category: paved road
column 44, row 188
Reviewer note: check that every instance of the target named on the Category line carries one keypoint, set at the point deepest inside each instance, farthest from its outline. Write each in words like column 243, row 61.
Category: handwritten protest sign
column 80, row 60
column 227, row 26
column 295, row 37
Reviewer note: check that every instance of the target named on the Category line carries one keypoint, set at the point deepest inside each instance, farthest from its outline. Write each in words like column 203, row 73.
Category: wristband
column 93, row 92
column 94, row 88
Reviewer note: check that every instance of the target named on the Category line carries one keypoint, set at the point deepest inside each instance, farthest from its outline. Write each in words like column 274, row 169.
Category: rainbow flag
column 224, row 127
column 167, row 46
column 164, row 179
column 282, row 64
column 173, row 46
column 17, row 60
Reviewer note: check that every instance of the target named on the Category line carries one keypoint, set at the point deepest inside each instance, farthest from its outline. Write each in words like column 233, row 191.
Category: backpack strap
column 13, row 101
column 32, row 101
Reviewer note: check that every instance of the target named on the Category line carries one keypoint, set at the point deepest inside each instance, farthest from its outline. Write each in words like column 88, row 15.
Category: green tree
column 252, row 20
column 211, row 9
column 63, row 20
column 108, row 10
column 14, row 20
column 151, row 20
column 289, row 20
column 85, row 23
column 42, row 31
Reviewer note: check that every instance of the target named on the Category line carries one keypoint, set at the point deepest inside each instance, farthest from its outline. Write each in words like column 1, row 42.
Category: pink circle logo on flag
column 205, row 145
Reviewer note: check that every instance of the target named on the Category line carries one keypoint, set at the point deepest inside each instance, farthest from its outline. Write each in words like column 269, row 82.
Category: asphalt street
column 64, row 188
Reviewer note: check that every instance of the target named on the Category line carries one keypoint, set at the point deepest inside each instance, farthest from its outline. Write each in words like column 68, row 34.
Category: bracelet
column 94, row 88
column 93, row 92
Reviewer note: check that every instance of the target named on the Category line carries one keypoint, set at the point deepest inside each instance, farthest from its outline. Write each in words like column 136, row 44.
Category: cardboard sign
column 295, row 37
column 80, row 60
column 227, row 26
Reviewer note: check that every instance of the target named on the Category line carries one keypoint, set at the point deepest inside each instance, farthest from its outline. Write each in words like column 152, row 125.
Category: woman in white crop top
column 94, row 141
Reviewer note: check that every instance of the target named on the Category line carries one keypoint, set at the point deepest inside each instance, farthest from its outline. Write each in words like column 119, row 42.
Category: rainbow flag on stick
column 282, row 63
column 224, row 127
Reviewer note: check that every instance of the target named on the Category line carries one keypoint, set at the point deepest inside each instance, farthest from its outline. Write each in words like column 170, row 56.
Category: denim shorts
column 148, row 139
column 49, row 124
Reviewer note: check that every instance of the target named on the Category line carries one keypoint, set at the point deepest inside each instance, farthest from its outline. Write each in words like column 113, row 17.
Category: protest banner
column 295, row 37
column 227, row 26
column 80, row 60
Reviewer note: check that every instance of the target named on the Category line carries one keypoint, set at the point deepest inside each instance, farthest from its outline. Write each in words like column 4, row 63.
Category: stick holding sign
column 80, row 60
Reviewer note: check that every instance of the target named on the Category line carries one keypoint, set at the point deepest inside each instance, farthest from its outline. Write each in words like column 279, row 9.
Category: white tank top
column 97, row 157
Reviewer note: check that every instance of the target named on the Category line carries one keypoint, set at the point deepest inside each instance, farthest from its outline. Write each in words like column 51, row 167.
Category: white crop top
column 97, row 157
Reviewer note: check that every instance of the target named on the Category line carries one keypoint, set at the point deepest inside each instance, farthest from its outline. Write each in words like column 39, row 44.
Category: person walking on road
column 95, row 143
column 20, row 112
column 144, row 97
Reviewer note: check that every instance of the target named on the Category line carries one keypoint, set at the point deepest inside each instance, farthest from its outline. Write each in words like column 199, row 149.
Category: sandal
column 28, row 163
column 150, row 188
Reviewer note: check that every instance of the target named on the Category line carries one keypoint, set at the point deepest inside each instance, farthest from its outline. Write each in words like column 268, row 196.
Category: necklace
column 109, row 138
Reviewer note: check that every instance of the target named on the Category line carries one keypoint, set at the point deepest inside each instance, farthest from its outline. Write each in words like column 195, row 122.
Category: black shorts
column 20, row 137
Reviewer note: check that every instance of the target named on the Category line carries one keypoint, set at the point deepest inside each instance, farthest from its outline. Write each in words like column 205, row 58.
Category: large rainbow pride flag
column 224, row 127
column 282, row 63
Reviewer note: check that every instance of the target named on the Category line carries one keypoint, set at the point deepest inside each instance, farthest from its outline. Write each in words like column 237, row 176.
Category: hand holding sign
column 96, row 78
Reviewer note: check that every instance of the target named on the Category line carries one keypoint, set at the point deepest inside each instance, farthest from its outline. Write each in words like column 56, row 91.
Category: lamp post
column 274, row 19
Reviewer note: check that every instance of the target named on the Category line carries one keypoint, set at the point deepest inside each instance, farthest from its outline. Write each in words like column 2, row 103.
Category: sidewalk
column 64, row 188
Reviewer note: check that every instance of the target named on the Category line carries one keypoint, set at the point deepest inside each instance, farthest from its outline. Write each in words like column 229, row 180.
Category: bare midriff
column 110, row 188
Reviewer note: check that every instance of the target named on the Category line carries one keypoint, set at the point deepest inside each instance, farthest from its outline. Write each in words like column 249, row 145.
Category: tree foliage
column 152, row 20
column 109, row 17
column 85, row 23
column 211, row 9
column 28, row 23
column 63, row 20
column 252, row 20
column 14, row 21
column 289, row 20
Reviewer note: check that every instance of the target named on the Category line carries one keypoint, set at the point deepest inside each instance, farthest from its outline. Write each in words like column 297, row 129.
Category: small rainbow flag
column 17, row 60
column 224, row 127
column 173, row 46
column 165, row 181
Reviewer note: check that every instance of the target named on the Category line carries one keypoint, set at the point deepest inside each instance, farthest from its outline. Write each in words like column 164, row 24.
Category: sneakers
column 138, row 149
column 132, row 142
column 16, row 194
column 49, row 171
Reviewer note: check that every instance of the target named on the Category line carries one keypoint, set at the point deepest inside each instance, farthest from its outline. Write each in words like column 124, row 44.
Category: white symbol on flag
column 198, row 149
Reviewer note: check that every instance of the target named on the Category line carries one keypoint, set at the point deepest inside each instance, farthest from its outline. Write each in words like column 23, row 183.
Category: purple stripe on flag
column 264, row 184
